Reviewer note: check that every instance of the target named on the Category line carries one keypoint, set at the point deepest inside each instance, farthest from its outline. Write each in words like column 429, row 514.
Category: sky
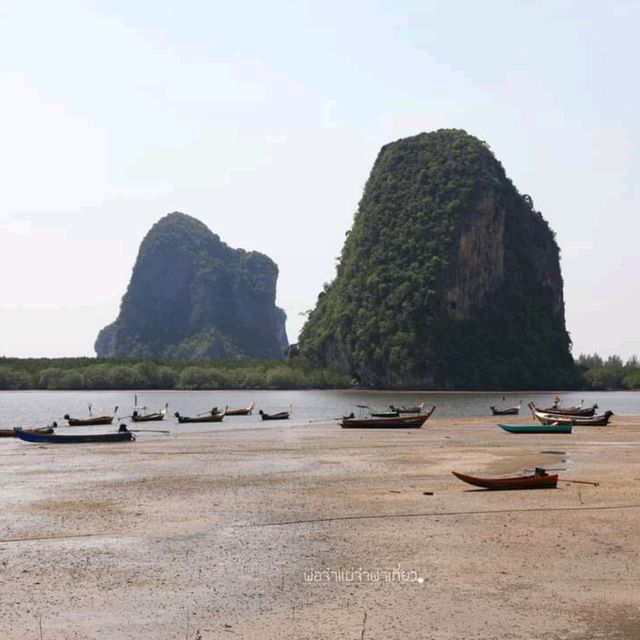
column 263, row 120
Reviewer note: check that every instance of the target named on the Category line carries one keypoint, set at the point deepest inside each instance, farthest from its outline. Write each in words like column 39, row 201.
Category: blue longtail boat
column 118, row 436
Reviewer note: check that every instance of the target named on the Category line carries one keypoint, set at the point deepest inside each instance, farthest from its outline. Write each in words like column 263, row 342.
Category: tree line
column 92, row 373
column 612, row 373
column 593, row 372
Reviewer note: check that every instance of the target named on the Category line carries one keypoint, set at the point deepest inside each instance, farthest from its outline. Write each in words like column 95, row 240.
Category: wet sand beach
column 310, row 531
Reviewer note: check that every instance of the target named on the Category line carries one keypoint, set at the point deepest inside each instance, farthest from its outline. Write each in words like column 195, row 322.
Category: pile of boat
column 216, row 416
column 140, row 414
column 551, row 420
column 554, row 419
column 557, row 419
column 577, row 416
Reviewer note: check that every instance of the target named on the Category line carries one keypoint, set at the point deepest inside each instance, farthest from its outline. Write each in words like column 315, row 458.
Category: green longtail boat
column 536, row 428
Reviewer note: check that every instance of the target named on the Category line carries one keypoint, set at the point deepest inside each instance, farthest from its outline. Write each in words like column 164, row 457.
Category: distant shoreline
column 96, row 374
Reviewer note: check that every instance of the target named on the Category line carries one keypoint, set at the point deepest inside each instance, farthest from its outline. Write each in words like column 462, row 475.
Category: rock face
column 449, row 278
column 193, row 297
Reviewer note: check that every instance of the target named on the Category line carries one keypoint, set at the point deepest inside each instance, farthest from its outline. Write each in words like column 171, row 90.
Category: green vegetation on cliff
column 192, row 297
column 449, row 278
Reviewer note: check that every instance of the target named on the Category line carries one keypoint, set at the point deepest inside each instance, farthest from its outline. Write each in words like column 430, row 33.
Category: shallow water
column 37, row 408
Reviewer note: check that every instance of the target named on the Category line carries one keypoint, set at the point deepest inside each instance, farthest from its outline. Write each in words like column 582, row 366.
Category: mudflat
column 310, row 531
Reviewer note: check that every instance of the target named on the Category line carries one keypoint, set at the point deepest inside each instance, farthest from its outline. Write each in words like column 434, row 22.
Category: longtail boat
column 417, row 409
column 536, row 428
column 91, row 420
column 586, row 412
column 400, row 422
column 11, row 433
column 118, row 436
column 213, row 416
column 242, row 412
column 595, row 421
column 149, row 417
column 510, row 411
column 281, row 415
column 538, row 480
column 578, row 421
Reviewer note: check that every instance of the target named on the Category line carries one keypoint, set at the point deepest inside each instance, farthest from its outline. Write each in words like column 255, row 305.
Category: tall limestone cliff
column 449, row 278
column 193, row 297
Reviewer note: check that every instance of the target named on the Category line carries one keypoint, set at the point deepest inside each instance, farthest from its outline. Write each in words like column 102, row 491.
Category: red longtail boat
column 538, row 480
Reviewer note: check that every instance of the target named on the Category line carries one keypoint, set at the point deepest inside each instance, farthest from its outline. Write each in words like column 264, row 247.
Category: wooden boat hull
column 216, row 417
column 241, row 412
column 400, row 422
column 510, row 483
column 587, row 412
column 283, row 415
column 512, row 411
column 151, row 417
column 90, row 422
column 11, row 433
column 118, row 436
column 536, row 428
column 379, row 423
column 595, row 421
column 384, row 414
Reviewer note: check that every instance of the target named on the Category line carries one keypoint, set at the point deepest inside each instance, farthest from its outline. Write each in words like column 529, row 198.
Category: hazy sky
column 263, row 119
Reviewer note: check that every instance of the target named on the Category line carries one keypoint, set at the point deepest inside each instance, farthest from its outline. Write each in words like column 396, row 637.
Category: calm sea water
column 38, row 408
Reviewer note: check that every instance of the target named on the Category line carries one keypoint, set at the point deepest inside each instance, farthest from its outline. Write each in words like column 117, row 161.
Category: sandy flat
column 309, row 531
